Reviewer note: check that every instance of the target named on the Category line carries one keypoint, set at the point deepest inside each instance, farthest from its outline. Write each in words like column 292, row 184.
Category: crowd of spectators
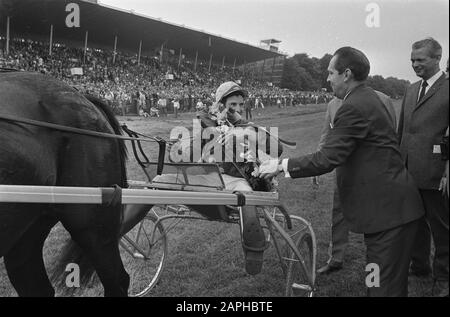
column 146, row 86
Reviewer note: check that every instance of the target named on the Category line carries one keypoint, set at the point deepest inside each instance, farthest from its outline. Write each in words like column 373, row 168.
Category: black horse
column 33, row 155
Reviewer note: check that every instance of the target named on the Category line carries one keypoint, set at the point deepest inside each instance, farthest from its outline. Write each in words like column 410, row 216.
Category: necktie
column 422, row 91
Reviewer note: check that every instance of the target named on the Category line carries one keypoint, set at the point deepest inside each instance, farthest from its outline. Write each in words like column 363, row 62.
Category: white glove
column 269, row 167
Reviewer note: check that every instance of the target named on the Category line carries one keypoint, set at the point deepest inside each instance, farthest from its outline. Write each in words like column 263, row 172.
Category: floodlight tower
column 272, row 69
column 270, row 44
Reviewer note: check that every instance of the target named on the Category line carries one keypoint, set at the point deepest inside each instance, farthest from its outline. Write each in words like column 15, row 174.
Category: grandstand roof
column 33, row 18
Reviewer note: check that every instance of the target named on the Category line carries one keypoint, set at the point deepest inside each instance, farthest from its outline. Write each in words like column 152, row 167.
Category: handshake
column 268, row 169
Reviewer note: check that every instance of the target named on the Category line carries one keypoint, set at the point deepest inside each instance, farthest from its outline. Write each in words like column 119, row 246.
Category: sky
column 383, row 29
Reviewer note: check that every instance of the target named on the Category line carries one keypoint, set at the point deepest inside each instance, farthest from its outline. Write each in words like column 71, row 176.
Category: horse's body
column 31, row 155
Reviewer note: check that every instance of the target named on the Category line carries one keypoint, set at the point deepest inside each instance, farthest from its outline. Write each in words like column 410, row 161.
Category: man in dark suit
column 423, row 122
column 339, row 227
column 378, row 196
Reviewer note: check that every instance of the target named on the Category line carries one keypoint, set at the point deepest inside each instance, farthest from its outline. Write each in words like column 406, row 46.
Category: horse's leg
column 101, row 245
column 25, row 160
column 24, row 262
column 104, row 254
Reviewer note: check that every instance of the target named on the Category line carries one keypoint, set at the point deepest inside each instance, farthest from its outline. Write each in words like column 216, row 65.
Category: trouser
column 211, row 211
column 391, row 251
column 253, row 237
column 236, row 183
column 339, row 231
column 435, row 220
column 219, row 211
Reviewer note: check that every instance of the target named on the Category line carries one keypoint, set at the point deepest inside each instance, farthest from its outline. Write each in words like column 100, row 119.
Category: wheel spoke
column 300, row 277
column 143, row 259
column 303, row 287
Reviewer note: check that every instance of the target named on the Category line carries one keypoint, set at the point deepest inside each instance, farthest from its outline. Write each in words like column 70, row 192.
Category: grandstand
column 106, row 27
column 133, row 61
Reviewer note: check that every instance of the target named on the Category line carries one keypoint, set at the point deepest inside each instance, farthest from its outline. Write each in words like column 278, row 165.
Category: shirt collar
column 432, row 79
column 352, row 90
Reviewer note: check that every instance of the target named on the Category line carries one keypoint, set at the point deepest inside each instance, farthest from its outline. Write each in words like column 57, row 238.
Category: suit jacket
column 376, row 191
column 334, row 105
column 422, row 126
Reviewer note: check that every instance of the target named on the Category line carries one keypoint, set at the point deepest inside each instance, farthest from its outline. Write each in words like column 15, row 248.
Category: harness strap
column 256, row 249
column 240, row 198
column 162, row 152
column 112, row 197
column 71, row 129
column 161, row 155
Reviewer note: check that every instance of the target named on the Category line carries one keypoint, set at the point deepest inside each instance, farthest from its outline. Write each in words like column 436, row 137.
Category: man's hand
column 270, row 169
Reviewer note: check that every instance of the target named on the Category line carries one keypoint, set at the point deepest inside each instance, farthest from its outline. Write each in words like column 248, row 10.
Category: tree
column 291, row 75
column 324, row 62
column 312, row 68
column 296, row 77
column 398, row 86
column 302, row 72
column 391, row 86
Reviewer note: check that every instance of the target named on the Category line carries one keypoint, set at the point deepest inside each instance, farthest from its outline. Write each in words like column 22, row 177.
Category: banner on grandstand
column 169, row 76
column 76, row 71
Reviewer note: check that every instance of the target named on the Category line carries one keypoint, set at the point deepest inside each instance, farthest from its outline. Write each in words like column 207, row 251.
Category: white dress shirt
column 430, row 82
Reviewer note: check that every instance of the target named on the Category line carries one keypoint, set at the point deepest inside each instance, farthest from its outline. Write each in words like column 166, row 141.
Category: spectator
column 162, row 106
column 125, row 84
column 143, row 113
column 176, row 107
column 248, row 105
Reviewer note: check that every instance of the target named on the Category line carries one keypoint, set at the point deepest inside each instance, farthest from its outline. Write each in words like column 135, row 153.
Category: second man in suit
column 422, row 125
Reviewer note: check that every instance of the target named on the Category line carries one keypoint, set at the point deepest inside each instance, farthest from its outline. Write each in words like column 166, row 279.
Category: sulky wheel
column 144, row 255
column 300, row 271
column 296, row 249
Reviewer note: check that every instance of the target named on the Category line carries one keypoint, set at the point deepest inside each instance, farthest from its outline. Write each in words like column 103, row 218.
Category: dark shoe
column 330, row 268
column 253, row 240
column 419, row 272
column 440, row 288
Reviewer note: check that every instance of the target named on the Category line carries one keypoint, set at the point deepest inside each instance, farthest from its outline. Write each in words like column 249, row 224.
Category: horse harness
column 133, row 136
